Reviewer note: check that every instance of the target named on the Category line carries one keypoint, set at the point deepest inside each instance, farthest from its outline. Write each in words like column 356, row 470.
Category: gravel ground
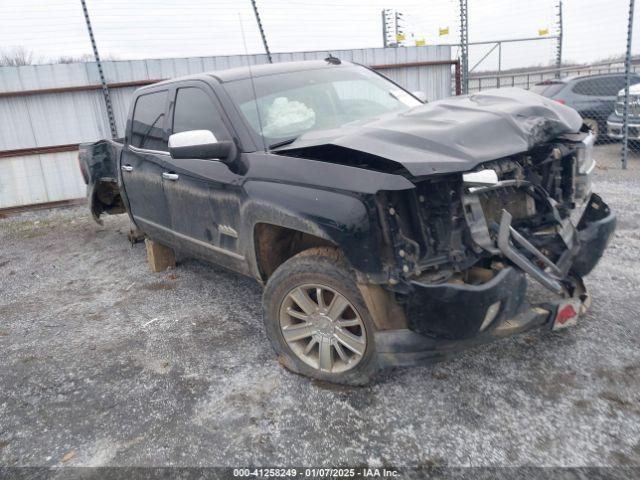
column 106, row 363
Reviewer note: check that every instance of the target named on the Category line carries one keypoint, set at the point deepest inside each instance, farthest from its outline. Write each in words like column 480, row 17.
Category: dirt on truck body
column 387, row 231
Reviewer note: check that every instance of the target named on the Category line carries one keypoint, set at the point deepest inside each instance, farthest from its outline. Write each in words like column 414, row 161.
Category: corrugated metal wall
column 51, row 119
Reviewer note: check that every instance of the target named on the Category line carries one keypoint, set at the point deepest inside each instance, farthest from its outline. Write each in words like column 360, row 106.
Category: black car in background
column 593, row 96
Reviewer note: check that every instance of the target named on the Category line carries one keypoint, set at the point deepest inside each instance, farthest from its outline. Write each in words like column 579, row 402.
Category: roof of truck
column 241, row 73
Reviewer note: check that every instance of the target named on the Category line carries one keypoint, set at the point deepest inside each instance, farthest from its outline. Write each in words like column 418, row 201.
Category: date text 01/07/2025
column 363, row 472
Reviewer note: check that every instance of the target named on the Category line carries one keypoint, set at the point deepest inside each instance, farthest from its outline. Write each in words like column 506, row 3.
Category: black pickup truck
column 386, row 231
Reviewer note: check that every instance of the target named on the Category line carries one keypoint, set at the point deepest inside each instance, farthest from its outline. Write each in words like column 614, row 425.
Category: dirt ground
column 105, row 363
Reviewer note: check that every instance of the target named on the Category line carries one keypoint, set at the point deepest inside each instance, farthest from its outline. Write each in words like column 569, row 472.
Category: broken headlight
column 585, row 166
column 584, row 155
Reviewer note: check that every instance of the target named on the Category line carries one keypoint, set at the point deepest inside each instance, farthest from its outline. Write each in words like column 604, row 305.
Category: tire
column 322, row 329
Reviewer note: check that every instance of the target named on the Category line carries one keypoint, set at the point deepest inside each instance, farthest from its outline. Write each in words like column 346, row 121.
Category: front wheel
column 317, row 321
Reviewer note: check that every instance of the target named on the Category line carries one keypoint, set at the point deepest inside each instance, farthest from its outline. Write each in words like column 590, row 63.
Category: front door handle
column 126, row 168
column 170, row 176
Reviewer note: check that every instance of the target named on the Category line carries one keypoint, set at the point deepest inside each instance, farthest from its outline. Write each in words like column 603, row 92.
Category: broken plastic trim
column 505, row 233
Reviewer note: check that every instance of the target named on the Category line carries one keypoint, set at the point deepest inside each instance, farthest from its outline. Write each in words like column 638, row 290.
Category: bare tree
column 85, row 57
column 16, row 57
column 19, row 56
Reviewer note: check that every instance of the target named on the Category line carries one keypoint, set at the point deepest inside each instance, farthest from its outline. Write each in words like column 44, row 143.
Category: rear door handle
column 170, row 176
column 126, row 168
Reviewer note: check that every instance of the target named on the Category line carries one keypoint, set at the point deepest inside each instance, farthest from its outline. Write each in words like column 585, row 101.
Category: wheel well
column 107, row 198
column 275, row 245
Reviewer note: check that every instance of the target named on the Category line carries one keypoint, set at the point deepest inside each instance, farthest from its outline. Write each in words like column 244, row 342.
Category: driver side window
column 147, row 126
column 194, row 110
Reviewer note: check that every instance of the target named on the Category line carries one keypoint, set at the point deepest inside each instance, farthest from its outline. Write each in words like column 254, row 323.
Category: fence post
column 464, row 46
column 264, row 37
column 105, row 88
column 559, row 46
column 627, row 74
column 499, row 62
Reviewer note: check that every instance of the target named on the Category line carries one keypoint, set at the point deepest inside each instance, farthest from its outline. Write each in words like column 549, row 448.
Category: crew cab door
column 203, row 196
column 142, row 162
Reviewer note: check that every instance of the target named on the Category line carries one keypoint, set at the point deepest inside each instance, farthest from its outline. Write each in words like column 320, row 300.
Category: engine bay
column 523, row 209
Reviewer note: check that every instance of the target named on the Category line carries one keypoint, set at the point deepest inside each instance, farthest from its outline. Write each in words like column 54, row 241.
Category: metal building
column 47, row 110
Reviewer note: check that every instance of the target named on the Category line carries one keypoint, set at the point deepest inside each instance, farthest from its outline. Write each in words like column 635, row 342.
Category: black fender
column 347, row 220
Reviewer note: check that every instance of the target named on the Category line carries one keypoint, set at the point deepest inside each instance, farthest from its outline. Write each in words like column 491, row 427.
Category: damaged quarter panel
column 98, row 165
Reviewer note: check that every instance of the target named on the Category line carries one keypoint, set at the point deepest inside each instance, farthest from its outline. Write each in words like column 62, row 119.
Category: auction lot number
column 315, row 472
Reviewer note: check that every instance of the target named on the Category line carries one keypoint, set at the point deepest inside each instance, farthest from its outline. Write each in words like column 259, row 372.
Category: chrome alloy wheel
column 322, row 328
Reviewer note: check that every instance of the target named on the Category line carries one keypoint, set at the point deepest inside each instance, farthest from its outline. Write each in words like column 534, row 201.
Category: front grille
column 634, row 106
column 615, row 130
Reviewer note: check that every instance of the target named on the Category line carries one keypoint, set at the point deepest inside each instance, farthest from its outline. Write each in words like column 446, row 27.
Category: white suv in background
column 615, row 120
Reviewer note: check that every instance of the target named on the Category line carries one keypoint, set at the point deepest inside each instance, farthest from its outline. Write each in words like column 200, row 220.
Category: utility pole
column 499, row 62
column 464, row 47
column 559, row 47
column 627, row 74
column 103, row 82
column 264, row 38
column 387, row 28
column 391, row 27
column 395, row 18
column 399, row 18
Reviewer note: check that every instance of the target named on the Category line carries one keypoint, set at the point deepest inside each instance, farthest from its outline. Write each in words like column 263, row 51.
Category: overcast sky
column 125, row 29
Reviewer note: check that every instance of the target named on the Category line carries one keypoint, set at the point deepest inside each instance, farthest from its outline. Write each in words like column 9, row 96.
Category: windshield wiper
column 282, row 143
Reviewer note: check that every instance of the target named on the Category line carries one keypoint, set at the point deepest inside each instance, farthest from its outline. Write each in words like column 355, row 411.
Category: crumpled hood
column 454, row 134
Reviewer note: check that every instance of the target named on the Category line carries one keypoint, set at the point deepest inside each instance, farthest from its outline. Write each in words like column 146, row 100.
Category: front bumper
column 447, row 318
column 406, row 347
column 615, row 128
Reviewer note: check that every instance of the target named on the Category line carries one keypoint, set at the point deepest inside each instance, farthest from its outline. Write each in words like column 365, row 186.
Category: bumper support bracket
column 505, row 233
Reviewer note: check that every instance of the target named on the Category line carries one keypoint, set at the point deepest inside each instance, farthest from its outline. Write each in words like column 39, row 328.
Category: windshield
column 290, row 104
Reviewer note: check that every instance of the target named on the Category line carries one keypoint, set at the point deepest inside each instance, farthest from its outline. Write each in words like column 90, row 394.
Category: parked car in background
column 592, row 96
column 615, row 120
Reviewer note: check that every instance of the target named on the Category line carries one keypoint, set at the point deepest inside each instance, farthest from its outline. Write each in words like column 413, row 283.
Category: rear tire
column 312, row 299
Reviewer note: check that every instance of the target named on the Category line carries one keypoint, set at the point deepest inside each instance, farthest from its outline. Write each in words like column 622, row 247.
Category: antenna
column 253, row 84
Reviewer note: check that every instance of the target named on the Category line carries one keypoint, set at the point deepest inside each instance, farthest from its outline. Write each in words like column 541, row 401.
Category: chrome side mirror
column 201, row 144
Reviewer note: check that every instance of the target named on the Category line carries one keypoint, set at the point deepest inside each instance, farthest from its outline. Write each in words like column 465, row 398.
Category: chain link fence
column 575, row 52
column 581, row 57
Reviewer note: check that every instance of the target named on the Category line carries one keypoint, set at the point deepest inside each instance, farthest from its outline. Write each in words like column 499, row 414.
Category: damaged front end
column 462, row 246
